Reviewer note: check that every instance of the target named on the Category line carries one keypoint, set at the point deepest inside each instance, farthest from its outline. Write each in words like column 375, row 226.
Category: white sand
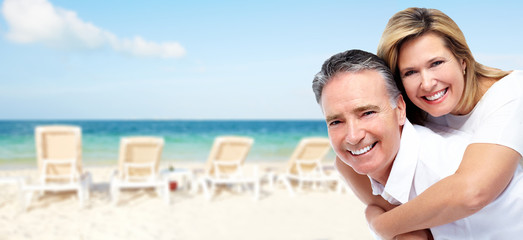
column 312, row 214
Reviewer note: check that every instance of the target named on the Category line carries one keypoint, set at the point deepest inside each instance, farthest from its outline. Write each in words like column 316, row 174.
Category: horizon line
column 162, row 119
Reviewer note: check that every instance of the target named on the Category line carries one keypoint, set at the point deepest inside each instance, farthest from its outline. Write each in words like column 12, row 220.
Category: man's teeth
column 437, row 96
column 362, row 151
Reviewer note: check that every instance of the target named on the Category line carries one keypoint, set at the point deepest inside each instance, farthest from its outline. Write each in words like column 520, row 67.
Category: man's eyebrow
column 359, row 109
column 332, row 117
column 365, row 108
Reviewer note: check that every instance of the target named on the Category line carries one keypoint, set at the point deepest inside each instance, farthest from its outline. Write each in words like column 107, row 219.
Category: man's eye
column 333, row 123
column 368, row 113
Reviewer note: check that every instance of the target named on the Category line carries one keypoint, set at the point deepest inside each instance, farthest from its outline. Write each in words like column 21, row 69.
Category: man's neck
column 382, row 177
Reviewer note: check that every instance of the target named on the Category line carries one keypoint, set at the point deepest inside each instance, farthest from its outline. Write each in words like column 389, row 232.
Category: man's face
column 363, row 127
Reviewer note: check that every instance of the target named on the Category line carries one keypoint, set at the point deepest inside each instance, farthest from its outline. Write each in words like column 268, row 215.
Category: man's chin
column 360, row 172
column 347, row 163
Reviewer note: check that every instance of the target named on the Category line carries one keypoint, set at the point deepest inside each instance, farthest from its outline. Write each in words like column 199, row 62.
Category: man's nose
column 355, row 133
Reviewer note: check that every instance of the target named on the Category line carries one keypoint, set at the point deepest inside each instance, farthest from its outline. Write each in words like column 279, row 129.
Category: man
column 365, row 116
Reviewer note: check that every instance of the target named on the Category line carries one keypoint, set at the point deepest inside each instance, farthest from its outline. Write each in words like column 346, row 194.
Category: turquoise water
column 185, row 140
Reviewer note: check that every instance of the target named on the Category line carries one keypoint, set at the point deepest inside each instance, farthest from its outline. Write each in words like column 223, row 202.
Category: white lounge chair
column 305, row 164
column 59, row 157
column 138, row 165
column 225, row 165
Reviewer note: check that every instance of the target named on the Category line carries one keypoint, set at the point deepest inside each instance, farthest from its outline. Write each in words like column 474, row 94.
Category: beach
column 310, row 214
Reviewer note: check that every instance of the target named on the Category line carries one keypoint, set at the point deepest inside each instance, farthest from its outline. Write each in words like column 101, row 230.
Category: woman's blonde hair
column 414, row 22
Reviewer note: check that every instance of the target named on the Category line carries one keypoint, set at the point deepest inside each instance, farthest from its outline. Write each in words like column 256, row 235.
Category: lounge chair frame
column 305, row 165
column 59, row 157
column 125, row 178
column 229, row 152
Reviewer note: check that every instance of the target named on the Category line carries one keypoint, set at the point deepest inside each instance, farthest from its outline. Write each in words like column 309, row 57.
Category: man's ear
column 401, row 110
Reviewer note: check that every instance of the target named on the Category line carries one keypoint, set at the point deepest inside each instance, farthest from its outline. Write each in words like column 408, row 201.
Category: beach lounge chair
column 305, row 164
column 225, row 165
column 138, row 165
column 59, row 157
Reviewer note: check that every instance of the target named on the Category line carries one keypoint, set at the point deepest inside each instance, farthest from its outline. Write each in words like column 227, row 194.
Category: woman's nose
column 427, row 81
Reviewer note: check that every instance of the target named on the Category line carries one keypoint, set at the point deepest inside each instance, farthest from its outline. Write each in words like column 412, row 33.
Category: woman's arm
column 373, row 211
column 485, row 171
column 360, row 185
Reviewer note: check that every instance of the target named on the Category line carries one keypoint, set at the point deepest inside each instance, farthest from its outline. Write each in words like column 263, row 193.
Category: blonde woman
column 444, row 85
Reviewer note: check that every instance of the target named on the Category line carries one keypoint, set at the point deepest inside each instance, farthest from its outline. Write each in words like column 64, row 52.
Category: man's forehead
column 358, row 89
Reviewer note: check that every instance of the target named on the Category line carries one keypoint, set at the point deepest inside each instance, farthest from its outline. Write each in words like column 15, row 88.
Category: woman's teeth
column 437, row 96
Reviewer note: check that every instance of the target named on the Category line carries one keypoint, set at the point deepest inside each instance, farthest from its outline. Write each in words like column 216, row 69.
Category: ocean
column 185, row 140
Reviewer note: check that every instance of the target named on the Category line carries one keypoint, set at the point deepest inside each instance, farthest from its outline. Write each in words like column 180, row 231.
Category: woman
column 434, row 67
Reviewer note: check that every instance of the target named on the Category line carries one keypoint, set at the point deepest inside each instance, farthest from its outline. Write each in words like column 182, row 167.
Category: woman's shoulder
column 513, row 79
column 507, row 88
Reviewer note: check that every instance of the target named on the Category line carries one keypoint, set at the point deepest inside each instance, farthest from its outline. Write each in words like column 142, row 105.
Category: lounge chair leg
column 256, row 189
column 114, row 194
column 27, row 200
column 194, row 187
column 84, row 188
column 166, row 194
column 339, row 189
column 205, row 188
column 159, row 190
column 270, row 179
column 89, row 182
column 287, row 184
column 213, row 190
column 20, row 193
column 241, row 187
column 80, row 193
column 342, row 186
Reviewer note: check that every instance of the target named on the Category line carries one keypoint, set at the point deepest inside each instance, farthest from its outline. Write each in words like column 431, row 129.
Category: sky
column 127, row 59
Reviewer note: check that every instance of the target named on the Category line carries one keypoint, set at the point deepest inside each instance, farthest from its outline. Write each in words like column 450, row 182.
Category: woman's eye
column 436, row 63
column 408, row 73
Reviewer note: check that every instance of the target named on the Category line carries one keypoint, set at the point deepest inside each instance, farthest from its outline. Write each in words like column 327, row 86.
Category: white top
column 498, row 116
column 424, row 158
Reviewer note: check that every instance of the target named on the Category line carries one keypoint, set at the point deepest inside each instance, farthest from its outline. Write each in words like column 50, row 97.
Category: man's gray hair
column 354, row 61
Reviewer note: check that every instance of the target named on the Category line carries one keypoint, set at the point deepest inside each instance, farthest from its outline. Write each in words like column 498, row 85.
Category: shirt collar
column 399, row 184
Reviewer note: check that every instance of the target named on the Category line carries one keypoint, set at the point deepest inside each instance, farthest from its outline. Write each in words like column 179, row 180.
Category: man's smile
column 363, row 150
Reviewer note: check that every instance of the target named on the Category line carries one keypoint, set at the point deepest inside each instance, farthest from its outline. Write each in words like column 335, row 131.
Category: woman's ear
column 463, row 66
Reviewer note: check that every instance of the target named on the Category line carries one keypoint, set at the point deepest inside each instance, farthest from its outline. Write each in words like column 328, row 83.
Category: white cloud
column 140, row 47
column 38, row 21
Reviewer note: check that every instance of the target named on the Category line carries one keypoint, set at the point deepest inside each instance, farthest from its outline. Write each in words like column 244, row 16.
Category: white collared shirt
column 498, row 116
column 424, row 158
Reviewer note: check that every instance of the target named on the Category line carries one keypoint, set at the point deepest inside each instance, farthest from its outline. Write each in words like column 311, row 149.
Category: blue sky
column 62, row 59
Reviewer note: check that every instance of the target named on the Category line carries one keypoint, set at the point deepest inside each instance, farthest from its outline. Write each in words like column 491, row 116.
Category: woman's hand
column 372, row 213
column 416, row 235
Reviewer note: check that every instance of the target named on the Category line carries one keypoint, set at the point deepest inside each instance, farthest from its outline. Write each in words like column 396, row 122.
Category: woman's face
column 433, row 78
